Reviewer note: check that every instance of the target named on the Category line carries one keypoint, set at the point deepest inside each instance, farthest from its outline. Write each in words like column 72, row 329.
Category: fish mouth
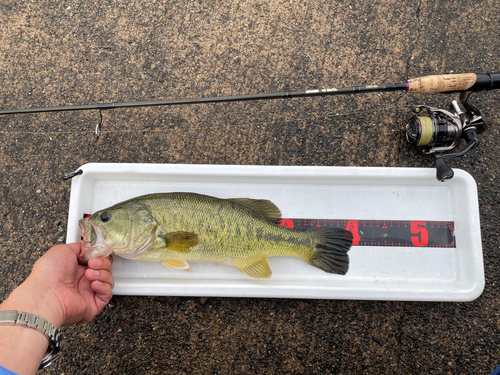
column 93, row 241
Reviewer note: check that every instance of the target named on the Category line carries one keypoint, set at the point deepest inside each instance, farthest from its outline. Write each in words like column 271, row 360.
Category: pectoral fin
column 259, row 269
column 181, row 242
column 179, row 264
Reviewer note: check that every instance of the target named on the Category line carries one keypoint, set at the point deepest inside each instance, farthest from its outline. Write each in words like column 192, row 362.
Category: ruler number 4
column 352, row 226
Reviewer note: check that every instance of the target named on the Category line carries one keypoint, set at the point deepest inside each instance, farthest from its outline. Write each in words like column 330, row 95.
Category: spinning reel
column 440, row 130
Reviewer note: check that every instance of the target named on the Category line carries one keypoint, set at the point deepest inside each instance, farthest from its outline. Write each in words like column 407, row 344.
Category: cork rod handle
column 442, row 83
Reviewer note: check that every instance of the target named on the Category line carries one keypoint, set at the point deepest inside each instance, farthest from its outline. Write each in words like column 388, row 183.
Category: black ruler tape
column 403, row 233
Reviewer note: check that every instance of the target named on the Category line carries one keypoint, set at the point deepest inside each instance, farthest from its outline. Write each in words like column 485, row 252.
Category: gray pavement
column 71, row 52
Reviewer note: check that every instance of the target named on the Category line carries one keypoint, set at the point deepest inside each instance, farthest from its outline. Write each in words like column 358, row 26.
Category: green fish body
column 174, row 228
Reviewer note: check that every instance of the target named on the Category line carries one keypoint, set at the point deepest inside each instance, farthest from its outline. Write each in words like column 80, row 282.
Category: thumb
column 74, row 247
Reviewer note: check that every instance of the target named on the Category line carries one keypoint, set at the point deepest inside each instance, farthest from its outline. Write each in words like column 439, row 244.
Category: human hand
column 62, row 291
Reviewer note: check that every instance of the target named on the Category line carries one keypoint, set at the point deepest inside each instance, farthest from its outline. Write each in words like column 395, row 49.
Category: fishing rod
column 440, row 131
column 422, row 85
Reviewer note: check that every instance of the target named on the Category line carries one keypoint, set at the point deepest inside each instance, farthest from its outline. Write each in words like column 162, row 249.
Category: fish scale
column 221, row 230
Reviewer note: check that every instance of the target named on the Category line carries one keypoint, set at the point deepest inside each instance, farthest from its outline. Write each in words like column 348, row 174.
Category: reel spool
column 441, row 130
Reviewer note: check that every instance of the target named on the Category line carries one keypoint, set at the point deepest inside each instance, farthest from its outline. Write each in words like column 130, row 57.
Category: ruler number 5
column 422, row 237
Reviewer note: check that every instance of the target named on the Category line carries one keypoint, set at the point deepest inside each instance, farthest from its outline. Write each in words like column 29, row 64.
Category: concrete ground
column 74, row 52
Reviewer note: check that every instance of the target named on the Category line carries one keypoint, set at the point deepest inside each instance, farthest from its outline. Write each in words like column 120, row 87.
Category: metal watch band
column 20, row 318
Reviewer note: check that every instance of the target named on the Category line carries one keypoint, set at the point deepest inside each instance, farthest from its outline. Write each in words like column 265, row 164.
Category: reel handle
column 454, row 82
column 443, row 171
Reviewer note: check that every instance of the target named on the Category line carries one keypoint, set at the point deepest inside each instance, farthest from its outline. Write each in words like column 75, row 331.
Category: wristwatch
column 19, row 318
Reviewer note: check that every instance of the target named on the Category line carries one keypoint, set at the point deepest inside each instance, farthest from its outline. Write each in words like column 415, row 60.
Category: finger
column 100, row 275
column 103, row 293
column 100, row 263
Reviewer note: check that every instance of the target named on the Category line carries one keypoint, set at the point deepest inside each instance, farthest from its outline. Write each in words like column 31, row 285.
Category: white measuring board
column 358, row 193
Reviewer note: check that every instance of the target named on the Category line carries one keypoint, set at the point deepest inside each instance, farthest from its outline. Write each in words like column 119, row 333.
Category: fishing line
column 184, row 128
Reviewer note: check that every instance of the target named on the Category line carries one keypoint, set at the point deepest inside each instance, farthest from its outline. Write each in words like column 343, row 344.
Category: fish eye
column 105, row 217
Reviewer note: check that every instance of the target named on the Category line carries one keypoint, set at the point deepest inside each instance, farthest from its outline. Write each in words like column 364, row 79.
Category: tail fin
column 330, row 249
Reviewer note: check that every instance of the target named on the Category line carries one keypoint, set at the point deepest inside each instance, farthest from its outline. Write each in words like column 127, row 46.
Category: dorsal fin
column 267, row 208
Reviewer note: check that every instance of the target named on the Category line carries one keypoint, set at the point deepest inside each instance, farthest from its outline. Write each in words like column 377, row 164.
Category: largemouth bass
column 174, row 228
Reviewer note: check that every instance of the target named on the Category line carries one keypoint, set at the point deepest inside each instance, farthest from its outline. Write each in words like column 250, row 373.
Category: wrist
column 36, row 301
column 22, row 349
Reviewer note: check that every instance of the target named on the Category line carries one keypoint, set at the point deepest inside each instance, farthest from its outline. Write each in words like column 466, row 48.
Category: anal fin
column 259, row 269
